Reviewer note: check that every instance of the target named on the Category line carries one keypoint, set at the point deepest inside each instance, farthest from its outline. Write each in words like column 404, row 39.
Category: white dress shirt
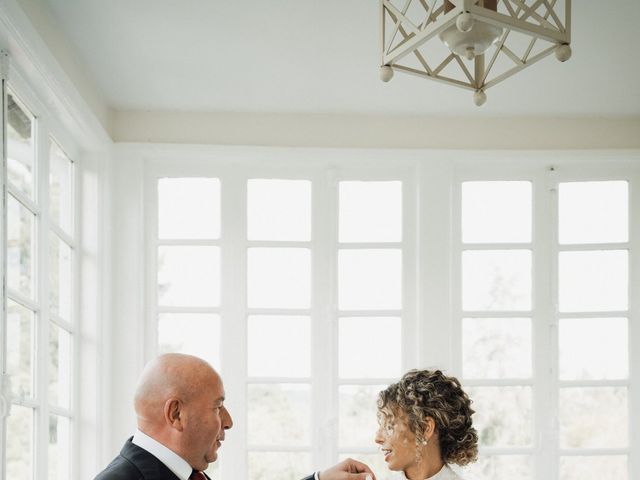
column 171, row 459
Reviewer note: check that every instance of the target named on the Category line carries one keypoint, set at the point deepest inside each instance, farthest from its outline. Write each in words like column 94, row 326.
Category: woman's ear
column 429, row 428
column 172, row 413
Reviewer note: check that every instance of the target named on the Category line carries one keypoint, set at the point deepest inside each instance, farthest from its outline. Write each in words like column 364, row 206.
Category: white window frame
column 632, row 176
column 324, row 169
column 47, row 129
column 546, row 170
column 470, row 171
column 4, row 380
column 429, row 339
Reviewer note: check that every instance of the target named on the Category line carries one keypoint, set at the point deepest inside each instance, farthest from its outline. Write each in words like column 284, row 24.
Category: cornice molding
column 31, row 60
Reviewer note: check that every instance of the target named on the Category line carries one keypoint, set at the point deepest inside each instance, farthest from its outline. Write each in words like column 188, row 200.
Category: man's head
column 179, row 402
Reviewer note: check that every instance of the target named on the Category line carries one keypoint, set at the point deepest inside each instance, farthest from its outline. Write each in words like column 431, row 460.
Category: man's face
column 206, row 419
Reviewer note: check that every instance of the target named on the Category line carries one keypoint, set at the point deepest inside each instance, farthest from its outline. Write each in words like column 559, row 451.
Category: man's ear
column 173, row 412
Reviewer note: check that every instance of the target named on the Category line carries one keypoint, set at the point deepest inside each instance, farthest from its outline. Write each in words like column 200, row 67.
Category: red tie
column 196, row 475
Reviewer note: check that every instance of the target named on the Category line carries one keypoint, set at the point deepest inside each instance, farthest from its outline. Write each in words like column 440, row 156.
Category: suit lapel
column 150, row 467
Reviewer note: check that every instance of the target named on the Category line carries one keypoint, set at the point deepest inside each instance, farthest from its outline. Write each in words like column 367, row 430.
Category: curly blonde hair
column 421, row 394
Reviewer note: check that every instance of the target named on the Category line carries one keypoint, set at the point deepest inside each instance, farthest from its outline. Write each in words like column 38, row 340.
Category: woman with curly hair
column 425, row 425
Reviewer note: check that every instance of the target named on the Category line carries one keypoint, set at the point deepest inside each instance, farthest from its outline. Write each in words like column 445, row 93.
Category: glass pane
column 279, row 346
column 593, row 281
column 189, row 276
column 188, row 208
column 499, row 467
column 279, row 210
column 60, row 277
column 20, row 248
column 59, row 366
column 370, row 212
column 60, row 188
column 279, row 465
column 20, row 146
column 378, row 356
column 496, row 347
column 279, row 414
column 193, row 333
column 370, row 279
column 20, row 348
column 20, row 443
column 59, row 448
column 594, row 468
column 503, row 415
column 593, row 348
column 594, row 417
column 593, row 212
column 279, row 277
column 495, row 212
column 357, row 415
column 496, row 280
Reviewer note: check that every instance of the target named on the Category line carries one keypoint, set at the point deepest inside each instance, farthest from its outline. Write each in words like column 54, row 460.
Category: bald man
column 179, row 403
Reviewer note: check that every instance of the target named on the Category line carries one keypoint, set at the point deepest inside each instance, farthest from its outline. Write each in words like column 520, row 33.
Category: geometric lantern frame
column 526, row 32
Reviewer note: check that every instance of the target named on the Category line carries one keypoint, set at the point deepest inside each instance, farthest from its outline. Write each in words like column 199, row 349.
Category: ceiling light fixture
column 472, row 44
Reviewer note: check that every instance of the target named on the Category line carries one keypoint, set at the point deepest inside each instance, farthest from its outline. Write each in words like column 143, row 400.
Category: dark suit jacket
column 135, row 463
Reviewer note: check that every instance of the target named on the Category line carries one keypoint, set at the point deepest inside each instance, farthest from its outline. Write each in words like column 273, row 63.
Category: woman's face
column 397, row 442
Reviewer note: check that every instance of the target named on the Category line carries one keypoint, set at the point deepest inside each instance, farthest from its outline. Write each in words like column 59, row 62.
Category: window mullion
column 454, row 351
column 545, row 331
column 233, row 326
column 410, row 270
column 64, row 236
column 324, row 369
column 32, row 205
column 43, row 288
column 4, row 61
column 634, row 324
column 439, row 272
column 150, row 327
column 21, row 299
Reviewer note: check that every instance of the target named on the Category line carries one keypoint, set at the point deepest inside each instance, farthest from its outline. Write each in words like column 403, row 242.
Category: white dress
column 445, row 473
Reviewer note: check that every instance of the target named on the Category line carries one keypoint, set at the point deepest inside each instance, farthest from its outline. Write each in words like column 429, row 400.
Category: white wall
column 40, row 16
column 125, row 355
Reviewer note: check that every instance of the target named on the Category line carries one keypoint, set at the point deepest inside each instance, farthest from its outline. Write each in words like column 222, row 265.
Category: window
column 279, row 298
column 370, row 299
column 313, row 285
column 496, row 318
column 243, row 281
column 593, row 322
column 544, row 321
column 40, row 300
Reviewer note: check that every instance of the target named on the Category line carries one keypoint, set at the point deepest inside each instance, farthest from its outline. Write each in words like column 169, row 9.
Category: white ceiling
column 308, row 56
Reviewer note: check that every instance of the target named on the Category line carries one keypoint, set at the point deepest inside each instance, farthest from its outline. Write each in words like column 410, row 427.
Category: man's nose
column 227, row 421
column 379, row 439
